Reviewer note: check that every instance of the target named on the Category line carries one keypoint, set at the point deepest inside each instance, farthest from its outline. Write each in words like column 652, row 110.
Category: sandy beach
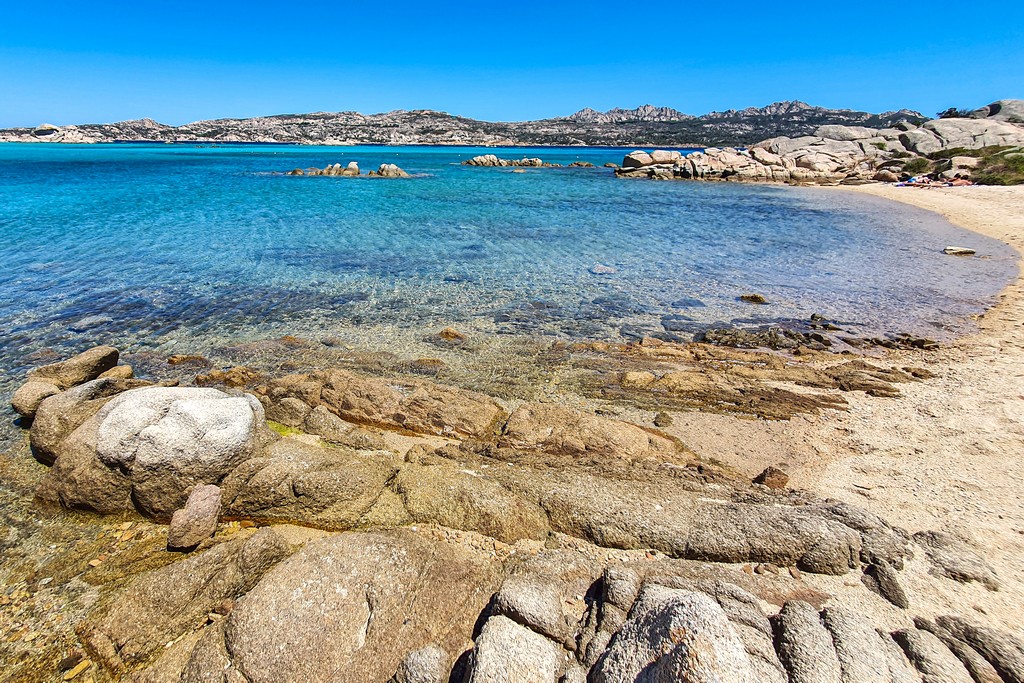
column 947, row 454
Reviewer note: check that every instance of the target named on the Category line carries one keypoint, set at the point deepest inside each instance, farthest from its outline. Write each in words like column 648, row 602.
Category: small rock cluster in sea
column 351, row 171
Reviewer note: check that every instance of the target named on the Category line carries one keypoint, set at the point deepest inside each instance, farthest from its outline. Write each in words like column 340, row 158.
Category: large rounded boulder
column 169, row 439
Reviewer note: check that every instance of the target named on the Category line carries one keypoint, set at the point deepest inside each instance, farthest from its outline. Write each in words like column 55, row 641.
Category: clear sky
column 81, row 62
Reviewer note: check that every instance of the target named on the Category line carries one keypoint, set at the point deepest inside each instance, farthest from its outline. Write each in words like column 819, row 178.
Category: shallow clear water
column 147, row 245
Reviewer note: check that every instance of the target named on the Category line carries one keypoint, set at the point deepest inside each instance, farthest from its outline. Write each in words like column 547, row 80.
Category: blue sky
column 74, row 62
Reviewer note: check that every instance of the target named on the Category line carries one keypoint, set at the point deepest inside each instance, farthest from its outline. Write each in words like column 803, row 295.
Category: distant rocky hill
column 646, row 125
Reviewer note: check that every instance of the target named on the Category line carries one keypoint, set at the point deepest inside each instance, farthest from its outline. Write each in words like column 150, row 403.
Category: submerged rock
column 79, row 369
column 197, row 521
column 30, row 395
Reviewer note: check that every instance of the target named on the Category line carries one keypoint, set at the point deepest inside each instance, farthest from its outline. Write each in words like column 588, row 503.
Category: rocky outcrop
column 942, row 134
column 115, row 445
column 49, row 380
column 674, row 635
column 558, row 431
column 158, row 607
column 416, row 406
column 833, row 154
column 390, row 171
column 1002, row 110
column 506, row 652
column 356, row 604
column 546, row 543
column 495, row 161
column 169, row 439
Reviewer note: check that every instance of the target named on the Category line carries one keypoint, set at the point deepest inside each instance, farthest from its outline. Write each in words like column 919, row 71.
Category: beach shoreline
column 946, row 454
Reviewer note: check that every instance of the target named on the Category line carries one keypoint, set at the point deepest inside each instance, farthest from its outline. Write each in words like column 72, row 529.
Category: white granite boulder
column 169, row 439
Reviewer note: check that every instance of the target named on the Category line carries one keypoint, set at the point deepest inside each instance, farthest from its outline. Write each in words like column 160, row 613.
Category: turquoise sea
column 178, row 247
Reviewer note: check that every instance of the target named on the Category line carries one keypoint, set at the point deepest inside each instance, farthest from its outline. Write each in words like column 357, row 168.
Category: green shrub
column 1005, row 168
column 880, row 145
column 917, row 165
column 964, row 152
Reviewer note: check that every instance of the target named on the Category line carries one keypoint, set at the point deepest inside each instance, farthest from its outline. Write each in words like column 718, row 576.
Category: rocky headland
column 946, row 147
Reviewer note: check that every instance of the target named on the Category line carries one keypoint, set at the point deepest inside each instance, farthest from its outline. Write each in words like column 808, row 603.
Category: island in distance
column 645, row 125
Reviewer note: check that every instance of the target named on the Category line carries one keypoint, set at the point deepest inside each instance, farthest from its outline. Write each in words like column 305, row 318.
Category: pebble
column 82, row 666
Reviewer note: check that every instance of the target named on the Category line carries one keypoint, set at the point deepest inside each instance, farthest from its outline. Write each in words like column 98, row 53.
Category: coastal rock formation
column 542, row 543
column 833, row 154
column 357, row 603
column 942, row 134
column 351, row 171
column 675, row 635
column 956, row 559
column 391, row 171
column 115, row 445
column 495, row 161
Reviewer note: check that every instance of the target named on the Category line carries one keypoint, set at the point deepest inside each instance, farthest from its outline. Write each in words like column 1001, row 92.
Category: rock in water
column 959, row 251
column 637, row 159
column 30, row 395
column 351, row 170
column 601, row 269
column 675, row 635
column 197, row 521
column 753, row 298
column 82, row 368
column 506, row 652
column 391, row 171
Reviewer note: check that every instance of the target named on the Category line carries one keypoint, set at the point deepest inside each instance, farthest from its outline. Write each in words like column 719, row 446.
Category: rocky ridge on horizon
column 645, row 125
